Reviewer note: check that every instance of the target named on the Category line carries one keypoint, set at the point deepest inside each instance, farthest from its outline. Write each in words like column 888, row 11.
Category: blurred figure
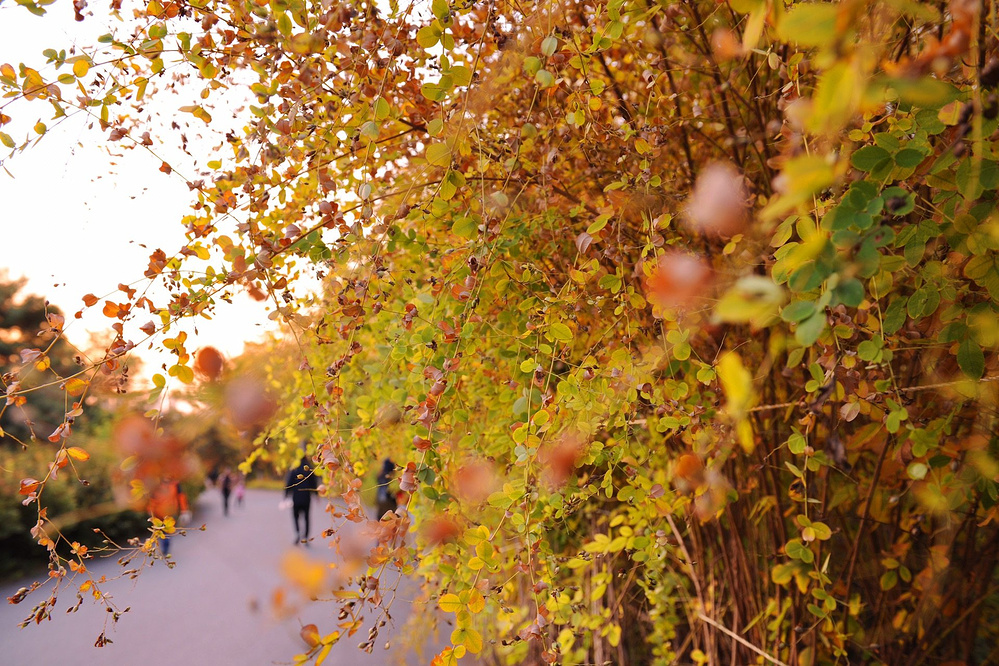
column 212, row 478
column 300, row 486
column 386, row 498
column 225, row 485
column 240, row 489
column 167, row 500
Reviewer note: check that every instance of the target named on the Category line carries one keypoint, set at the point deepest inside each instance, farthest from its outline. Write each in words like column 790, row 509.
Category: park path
column 214, row 607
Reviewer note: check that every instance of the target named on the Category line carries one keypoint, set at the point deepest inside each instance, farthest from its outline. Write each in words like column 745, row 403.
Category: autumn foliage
column 679, row 318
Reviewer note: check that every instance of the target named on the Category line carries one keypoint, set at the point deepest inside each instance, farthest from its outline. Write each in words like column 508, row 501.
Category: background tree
column 24, row 331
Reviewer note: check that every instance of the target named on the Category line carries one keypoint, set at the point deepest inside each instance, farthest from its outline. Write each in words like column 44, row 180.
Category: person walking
column 240, row 489
column 225, row 485
column 300, row 486
column 385, row 496
column 167, row 500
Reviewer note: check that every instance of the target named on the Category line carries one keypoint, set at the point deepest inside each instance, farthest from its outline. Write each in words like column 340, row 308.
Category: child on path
column 167, row 500
column 240, row 489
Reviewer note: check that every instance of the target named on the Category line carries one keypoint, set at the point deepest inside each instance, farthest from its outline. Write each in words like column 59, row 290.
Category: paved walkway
column 214, row 607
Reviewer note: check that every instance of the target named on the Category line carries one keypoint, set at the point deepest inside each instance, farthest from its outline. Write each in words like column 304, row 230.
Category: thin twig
column 731, row 634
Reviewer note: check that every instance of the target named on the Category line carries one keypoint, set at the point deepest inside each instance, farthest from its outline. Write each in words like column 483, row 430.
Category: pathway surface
column 214, row 607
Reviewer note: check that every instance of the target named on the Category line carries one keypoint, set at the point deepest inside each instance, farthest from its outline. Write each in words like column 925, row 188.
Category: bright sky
column 73, row 216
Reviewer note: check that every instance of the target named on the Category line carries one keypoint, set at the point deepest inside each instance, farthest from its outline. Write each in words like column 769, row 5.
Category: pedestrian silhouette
column 300, row 486
column 386, row 496
column 225, row 485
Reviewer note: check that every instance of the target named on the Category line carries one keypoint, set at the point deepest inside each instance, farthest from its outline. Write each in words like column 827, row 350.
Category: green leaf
column 822, row 531
column 924, row 92
column 894, row 316
column 381, row 109
column 971, row 359
column 465, row 227
column 850, row 292
column 440, row 9
column 796, row 443
column 461, row 75
column 810, row 24
column 798, row 311
column 428, row 36
column 561, row 332
column 917, row 303
column 810, row 329
column 783, row 573
column 869, row 157
column 544, row 78
column 908, row 158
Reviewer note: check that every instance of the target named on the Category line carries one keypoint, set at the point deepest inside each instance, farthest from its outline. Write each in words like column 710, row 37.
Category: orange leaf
column 110, row 309
column 62, row 432
column 29, row 486
column 208, row 363
column 89, row 300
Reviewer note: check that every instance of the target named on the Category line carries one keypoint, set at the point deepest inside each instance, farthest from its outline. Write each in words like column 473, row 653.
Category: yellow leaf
column 81, row 67
column 450, row 603
column 438, row 154
column 837, row 97
column 76, row 453
column 737, row 383
column 76, row 386
column 754, row 28
column 476, row 602
column 470, row 639
column 744, row 431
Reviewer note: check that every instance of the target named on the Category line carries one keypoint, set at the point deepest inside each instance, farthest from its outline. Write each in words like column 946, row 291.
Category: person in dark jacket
column 225, row 485
column 386, row 497
column 300, row 486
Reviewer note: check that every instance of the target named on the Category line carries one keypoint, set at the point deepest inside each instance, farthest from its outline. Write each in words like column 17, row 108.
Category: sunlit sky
column 77, row 219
